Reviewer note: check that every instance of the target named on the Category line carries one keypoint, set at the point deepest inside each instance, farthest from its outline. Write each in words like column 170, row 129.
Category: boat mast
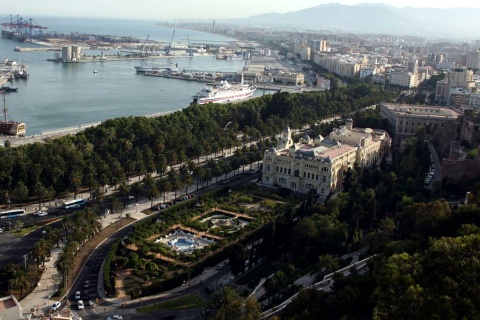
column 4, row 110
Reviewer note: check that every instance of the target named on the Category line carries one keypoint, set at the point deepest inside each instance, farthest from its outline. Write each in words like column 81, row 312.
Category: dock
column 20, row 49
column 112, row 58
column 198, row 76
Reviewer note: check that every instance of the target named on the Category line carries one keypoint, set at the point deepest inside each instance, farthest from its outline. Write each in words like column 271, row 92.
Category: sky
column 187, row 9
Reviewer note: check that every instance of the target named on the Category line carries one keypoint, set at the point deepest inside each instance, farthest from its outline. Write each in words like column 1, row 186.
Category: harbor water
column 58, row 95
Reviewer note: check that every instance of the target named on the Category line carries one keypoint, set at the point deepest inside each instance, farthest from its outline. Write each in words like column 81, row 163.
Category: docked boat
column 8, row 89
column 11, row 128
column 21, row 73
column 224, row 92
column 156, row 67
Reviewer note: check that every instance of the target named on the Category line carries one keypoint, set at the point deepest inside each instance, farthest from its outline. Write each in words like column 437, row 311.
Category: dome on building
column 272, row 150
column 318, row 140
column 306, row 138
column 368, row 130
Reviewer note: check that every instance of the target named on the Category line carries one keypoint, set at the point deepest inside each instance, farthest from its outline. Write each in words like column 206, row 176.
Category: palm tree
column 174, row 180
column 124, row 189
column 136, row 188
column 40, row 192
column 152, row 193
column 21, row 192
column 187, row 180
column 329, row 263
column 164, row 186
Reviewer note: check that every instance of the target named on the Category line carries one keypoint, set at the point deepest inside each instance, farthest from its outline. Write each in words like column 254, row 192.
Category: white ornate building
column 319, row 163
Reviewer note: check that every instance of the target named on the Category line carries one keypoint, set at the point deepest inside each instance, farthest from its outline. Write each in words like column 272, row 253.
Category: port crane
column 169, row 48
column 190, row 50
column 22, row 26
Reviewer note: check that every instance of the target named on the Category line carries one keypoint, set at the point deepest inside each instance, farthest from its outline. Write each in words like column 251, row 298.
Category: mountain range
column 458, row 23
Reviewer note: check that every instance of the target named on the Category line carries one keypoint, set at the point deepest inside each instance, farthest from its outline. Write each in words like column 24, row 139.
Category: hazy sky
column 187, row 9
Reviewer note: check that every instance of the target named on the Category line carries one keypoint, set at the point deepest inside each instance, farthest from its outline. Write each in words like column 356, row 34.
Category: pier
column 194, row 75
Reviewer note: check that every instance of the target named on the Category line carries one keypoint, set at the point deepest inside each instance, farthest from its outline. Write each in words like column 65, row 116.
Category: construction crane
column 169, row 48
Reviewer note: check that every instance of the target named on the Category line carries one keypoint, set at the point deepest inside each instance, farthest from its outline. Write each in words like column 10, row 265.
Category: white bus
column 12, row 213
column 72, row 204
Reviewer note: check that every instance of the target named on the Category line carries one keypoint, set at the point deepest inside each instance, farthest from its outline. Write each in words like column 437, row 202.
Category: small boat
column 95, row 71
column 8, row 89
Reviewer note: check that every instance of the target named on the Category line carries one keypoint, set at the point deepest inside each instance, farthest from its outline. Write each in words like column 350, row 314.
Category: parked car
column 55, row 306
column 80, row 305
column 115, row 317
column 130, row 197
column 1, row 230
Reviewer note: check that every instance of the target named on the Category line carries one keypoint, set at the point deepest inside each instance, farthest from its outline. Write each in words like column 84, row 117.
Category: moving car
column 86, row 284
column 77, row 295
column 80, row 305
column 55, row 306
column 115, row 317
column 40, row 213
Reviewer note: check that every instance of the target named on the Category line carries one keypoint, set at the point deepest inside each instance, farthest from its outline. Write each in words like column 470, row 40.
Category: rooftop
column 404, row 109
column 8, row 302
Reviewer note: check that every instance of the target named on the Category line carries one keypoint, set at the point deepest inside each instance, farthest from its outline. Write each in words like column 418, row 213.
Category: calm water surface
column 61, row 95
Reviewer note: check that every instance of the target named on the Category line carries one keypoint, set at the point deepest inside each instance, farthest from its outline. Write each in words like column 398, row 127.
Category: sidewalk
column 39, row 298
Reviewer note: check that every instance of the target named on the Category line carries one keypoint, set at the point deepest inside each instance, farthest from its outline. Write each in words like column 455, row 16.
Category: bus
column 12, row 213
column 72, row 204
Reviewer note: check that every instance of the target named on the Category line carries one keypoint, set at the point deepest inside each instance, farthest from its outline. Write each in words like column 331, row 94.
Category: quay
column 190, row 75
column 29, row 49
column 112, row 58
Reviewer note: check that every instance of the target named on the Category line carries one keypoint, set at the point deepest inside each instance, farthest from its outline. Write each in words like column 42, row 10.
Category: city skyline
column 197, row 9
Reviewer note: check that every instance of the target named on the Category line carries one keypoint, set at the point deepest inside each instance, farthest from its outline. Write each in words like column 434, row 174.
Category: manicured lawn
column 186, row 302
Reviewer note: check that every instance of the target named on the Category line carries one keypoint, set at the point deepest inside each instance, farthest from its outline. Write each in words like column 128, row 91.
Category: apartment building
column 473, row 59
column 402, row 78
column 320, row 164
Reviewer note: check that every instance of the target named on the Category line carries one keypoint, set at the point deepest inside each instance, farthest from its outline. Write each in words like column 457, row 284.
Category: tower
column 285, row 139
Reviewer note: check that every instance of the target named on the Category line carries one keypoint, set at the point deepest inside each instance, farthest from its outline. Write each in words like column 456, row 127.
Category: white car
column 80, row 305
column 115, row 317
column 55, row 306
column 40, row 213
column 1, row 230
column 77, row 295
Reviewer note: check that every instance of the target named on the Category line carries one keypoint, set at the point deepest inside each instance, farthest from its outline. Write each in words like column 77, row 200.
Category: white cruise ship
column 224, row 92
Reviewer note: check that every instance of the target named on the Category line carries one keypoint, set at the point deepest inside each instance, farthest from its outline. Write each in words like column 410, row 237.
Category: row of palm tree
column 76, row 230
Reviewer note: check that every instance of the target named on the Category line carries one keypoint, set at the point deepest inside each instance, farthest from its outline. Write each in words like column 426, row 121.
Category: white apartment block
column 473, row 59
column 305, row 53
column 407, row 119
column 402, row 79
column 460, row 77
column 320, row 164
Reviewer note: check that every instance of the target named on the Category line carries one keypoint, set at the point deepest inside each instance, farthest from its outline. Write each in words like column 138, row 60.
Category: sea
column 58, row 95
